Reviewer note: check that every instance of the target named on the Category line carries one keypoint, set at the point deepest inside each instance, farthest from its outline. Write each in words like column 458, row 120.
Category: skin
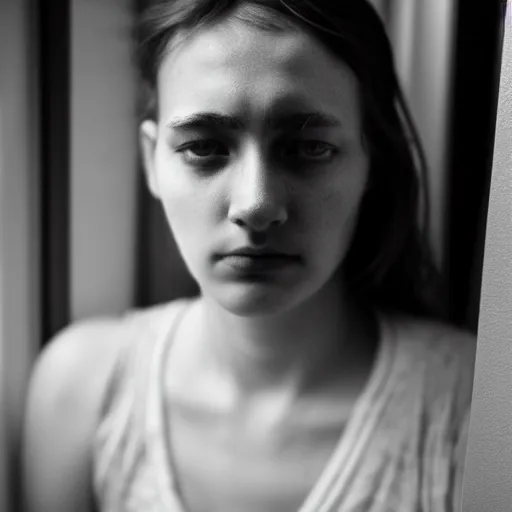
column 253, row 354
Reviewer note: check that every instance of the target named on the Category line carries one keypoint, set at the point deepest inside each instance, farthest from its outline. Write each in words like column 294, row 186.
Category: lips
column 250, row 251
column 249, row 260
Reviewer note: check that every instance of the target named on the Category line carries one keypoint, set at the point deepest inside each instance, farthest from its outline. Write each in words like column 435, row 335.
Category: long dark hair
column 389, row 264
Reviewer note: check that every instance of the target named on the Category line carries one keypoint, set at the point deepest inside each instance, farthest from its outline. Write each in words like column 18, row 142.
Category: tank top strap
column 166, row 494
column 119, row 440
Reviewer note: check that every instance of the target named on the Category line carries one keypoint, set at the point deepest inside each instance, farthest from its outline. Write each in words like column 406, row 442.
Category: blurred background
column 79, row 234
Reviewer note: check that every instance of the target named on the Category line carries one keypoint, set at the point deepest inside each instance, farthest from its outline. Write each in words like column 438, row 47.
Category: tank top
column 402, row 450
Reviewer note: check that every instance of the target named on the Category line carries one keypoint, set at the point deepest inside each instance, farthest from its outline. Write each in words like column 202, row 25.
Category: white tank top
column 402, row 450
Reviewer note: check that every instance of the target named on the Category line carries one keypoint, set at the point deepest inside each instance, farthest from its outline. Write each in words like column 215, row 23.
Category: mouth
column 250, row 251
column 249, row 260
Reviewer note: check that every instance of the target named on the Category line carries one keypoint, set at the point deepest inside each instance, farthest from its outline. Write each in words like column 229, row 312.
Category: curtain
column 422, row 35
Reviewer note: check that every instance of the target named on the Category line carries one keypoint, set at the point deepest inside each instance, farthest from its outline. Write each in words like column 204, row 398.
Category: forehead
column 233, row 65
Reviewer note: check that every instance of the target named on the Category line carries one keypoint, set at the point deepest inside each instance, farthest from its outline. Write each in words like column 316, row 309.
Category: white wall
column 19, row 220
column 103, row 158
column 488, row 477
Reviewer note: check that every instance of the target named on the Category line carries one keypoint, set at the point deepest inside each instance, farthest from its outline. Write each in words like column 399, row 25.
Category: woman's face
column 258, row 145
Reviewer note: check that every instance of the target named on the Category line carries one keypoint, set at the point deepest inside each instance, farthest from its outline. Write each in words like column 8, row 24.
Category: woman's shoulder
column 437, row 341
column 442, row 354
column 79, row 360
column 67, row 386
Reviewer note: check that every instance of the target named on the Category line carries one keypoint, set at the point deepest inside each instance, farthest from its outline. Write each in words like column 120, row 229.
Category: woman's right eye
column 203, row 151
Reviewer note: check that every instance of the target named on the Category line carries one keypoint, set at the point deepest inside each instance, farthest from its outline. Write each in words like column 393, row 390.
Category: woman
column 312, row 373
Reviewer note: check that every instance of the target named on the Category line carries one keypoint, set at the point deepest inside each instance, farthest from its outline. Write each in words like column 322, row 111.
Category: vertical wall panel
column 103, row 158
column 19, row 226
column 3, row 408
column 54, row 54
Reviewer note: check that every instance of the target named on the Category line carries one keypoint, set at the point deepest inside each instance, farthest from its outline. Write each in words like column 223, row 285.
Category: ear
column 148, row 134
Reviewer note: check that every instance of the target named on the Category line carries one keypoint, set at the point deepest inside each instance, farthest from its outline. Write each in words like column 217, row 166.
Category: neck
column 293, row 351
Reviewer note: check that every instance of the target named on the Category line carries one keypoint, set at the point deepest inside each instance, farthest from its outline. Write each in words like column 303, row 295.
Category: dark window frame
column 55, row 115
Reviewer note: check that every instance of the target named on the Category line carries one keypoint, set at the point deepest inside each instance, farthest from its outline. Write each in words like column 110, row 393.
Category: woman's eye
column 212, row 153
column 309, row 149
column 200, row 151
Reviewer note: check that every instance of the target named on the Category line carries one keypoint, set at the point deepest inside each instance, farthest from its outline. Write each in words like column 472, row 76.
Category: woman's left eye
column 309, row 149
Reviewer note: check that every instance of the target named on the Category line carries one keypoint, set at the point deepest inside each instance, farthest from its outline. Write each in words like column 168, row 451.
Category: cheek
column 190, row 205
column 331, row 213
column 188, row 213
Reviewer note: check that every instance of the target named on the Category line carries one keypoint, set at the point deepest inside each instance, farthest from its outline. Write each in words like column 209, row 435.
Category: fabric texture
column 402, row 450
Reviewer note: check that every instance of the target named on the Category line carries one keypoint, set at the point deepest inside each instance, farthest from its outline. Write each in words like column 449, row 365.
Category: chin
column 253, row 300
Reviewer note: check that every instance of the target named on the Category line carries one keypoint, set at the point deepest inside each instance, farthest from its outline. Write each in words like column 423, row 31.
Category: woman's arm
column 65, row 393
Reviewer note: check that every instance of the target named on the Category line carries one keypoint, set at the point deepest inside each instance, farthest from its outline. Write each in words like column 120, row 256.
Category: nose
column 258, row 196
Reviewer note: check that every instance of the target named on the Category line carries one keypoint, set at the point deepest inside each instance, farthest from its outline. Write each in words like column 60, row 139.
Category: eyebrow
column 293, row 121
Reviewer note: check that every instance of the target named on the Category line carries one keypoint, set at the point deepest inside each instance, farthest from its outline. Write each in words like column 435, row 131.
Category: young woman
column 312, row 373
